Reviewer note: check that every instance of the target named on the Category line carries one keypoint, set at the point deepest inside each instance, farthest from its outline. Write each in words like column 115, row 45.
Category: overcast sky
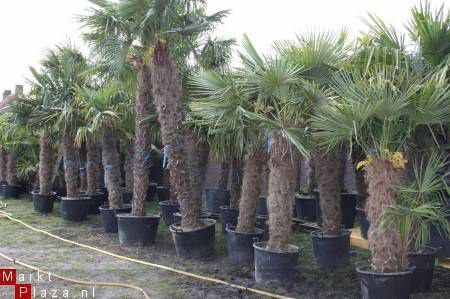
column 28, row 27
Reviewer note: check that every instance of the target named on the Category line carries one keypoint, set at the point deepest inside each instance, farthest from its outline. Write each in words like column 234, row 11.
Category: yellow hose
column 92, row 283
column 205, row 278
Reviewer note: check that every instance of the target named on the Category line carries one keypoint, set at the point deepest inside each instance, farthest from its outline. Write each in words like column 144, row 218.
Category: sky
column 29, row 27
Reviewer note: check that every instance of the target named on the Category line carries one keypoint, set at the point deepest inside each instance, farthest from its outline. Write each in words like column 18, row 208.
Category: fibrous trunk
column 224, row 173
column 3, row 159
column 128, row 165
column 282, row 182
column 198, row 162
column 70, row 166
column 11, row 169
column 328, row 173
column 92, row 166
column 253, row 164
column 167, row 93
column 236, row 183
column 111, row 165
column 142, row 144
column 310, row 175
column 45, row 165
column 83, row 175
column 384, row 243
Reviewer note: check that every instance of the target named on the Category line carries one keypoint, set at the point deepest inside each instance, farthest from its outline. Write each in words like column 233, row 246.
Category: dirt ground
column 68, row 260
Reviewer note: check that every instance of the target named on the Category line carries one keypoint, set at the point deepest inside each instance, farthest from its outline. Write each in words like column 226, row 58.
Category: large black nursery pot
column 275, row 266
column 423, row 262
column 163, row 193
column 95, row 201
column 348, row 209
column 331, row 251
column 363, row 222
column 151, row 191
column 196, row 243
column 215, row 198
column 74, row 209
column 2, row 188
column 240, row 245
column 228, row 216
column 440, row 241
column 43, row 203
column 12, row 191
column 177, row 216
column 376, row 285
column 137, row 230
column 127, row 197
column 109, row 219
column 307, row 206
column 261, row 208
column 168, row 208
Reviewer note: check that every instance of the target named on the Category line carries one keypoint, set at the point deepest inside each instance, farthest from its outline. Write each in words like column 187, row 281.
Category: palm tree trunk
column 251, row 187
column 92, row 167
column 329, row 172
column 265, row 178
column 111, row 165
column 128, row 165
column 83, row 175
column 11, row 169
column 70, row 166
column 45, row 165
column 360, row 183
column 142, row 142
column 310, row 175
column 236, row 183
column 167, row 93
column 384, row 244
column 224, row 173
column 282, row 182
column 198, row 162
column 3, row 159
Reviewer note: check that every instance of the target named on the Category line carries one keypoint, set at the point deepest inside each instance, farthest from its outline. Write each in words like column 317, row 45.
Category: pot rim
column 320, row 235
column 106, row 207
column 162, row 187
column 207, row 221
column 232, row 229
column 431, row 251
column 262, row 246
column 36, row 192
column 362, row 270
column 129, row 216
column 72, row 198
column 227, row 208
column 169, row 203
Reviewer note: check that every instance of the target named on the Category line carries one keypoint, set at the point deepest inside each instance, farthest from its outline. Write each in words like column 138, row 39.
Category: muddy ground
column 68, row 260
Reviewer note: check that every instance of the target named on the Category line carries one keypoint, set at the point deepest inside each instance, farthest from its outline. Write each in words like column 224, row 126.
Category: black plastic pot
column 364, row 223
column 127, row 197
column 43, row 203
column 424, row 267
column 275, row 266
column 137, row 230
column 228, row 216
column 163, row 193
column 2, row 189
column 440, row 241
column 197, row 243
column 240, row 246
column 261, row 208
column 167, row 209
column 331, row 251
column 151, row 191
column 109, row 219
column 307, row 206
column 261, row 223
column 177, row 216
column 74, row 209
column 375, row 285
column 12, row 191
column 215, row 198
column 348, row 209
column 103, row 190
column 95, row 201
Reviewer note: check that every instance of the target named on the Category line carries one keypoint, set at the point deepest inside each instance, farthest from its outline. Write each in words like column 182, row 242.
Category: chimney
column 19, row 90
column 6, row 93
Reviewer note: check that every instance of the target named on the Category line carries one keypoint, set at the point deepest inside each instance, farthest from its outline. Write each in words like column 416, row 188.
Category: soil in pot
column 363, row 222
column 137, row 230
column 215, row 198
column 331, row 251
column 11, row 191
column 423, row 262
column 375, row 285
column 348, row 209
column 43, row 203
column 240, row 246
column 197, row 243
column 74, row 209
column 307, row 206
column 228, row 216
column 151, row 191
column 261, row 208
column 109, row 219
column 275, row 266
column 127, row 197
column 163, row 193
column 177, row 216
column 168, row 208
column 95, row 201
